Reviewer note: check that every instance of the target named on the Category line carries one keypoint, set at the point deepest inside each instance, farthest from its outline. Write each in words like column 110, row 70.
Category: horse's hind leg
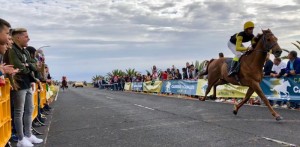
column 260, row 93
column 219, row 82
column 210, row 85
column 206, row 93
column 236, row 108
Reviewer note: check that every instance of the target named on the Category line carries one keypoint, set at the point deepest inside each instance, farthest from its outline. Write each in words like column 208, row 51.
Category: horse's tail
column 206, row 71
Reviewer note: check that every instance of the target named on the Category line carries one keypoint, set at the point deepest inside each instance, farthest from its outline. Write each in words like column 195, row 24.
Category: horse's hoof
column 202, row 99
column 234, row 112
column 278, row 118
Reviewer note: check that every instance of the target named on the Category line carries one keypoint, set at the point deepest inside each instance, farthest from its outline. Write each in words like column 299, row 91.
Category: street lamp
column 44, row 46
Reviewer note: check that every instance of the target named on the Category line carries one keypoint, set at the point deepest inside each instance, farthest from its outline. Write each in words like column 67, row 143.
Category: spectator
column 47, row 74
column 4, row 32
column 221, row 55
column 148, row 77
column 23, row 99
column 184, row 74
column 173, row 72
column 169, row 74
column 178, row 75
column 278, row 68
column 5, row 49
column 4, row 42
column 115, row 82
column 293, row 66
column 122, row 82
column 187, row 68
column 133, row 78
column 164, row 75
column 193, row 74
column 154, row 73
column 268, row 66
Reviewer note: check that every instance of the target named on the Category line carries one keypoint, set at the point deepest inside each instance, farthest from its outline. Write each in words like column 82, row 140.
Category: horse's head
column 269, row 42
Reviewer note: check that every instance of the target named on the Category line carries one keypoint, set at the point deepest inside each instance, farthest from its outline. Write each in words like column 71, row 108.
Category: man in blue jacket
column 293, row 66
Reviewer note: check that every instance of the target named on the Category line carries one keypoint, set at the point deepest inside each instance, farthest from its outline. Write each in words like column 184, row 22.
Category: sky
column 94, row 37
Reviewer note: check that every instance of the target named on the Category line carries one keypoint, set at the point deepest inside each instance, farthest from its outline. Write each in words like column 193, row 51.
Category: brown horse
column 250, row 73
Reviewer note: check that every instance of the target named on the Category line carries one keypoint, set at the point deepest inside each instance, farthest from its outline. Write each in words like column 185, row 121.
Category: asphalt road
column 92, row 117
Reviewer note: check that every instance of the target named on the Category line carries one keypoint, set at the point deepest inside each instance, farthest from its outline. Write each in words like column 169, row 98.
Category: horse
column 64, row 84
column 250, row 74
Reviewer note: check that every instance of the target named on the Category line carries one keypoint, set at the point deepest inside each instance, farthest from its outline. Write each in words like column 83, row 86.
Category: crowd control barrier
column 5, row 114
column 286, row 89
column 43, row 99
column 5, row 109
column 35, row 102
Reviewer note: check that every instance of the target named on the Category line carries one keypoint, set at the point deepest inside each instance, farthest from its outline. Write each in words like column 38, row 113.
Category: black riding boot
column 233, row 68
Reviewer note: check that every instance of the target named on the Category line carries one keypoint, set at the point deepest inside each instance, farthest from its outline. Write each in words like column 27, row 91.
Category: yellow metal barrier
column 35, row 102
column 5, row 114
column 43, row 99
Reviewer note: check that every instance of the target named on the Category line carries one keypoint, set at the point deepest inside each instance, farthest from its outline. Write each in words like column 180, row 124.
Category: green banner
column 152, row 86
column 226, row 91
column 127, row 86
column 201, row 87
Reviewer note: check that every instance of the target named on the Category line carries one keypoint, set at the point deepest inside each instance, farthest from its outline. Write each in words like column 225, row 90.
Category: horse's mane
column 256, row 39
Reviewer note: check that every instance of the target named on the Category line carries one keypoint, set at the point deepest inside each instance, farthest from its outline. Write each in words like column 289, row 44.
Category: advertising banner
column 127, row 86
column 225, row 91
column 152, row 86
column 282, row 89
column 137, row 86
column 179, row 87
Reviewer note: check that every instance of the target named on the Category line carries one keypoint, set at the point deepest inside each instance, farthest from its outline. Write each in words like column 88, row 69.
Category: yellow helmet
column 248, row 24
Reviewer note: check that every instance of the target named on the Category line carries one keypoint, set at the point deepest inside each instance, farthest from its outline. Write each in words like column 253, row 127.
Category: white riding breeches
column 232, row 47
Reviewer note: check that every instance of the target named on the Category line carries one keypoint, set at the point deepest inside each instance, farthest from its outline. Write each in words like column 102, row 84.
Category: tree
column 131, row 72
column 115, row 72
column 200, row 66
column 96, row 78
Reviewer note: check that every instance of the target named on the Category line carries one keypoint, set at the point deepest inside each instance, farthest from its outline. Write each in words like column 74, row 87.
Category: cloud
column 96, row 36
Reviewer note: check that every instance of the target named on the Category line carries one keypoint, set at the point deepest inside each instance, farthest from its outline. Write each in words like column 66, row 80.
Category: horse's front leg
column 258, row 90
column 236, row 108
column 215, row 92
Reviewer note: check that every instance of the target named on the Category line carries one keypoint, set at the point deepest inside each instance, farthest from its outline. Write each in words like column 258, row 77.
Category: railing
column 285, row 89
column 5, row 114
column 5, row 109
column 43, row 99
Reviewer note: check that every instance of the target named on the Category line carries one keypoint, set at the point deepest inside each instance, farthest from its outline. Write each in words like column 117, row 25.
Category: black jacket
column 21, row 59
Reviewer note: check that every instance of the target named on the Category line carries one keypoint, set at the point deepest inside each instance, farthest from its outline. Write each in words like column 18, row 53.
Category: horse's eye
column 269, row 39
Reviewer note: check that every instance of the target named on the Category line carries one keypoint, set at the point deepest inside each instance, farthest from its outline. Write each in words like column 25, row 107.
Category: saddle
column 229, row 61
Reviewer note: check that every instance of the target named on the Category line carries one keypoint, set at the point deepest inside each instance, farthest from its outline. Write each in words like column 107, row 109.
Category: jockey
column 236, row 46
column 64, row 78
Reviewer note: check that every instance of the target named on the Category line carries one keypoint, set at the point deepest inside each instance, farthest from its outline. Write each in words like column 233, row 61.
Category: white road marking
column 143, row 107
column 56, row 94
column 161, row 125
column 280, row 142
column 109, row 98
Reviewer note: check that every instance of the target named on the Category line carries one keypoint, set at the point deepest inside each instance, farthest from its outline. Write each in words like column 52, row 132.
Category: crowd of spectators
column 24, row 66
column 278, row 69
column 275, row 68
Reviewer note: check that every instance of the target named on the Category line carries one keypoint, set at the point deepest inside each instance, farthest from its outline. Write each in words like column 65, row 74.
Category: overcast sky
column 89, row 37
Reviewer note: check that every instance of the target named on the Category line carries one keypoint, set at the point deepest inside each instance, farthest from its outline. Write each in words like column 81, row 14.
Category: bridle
column 267, row 46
